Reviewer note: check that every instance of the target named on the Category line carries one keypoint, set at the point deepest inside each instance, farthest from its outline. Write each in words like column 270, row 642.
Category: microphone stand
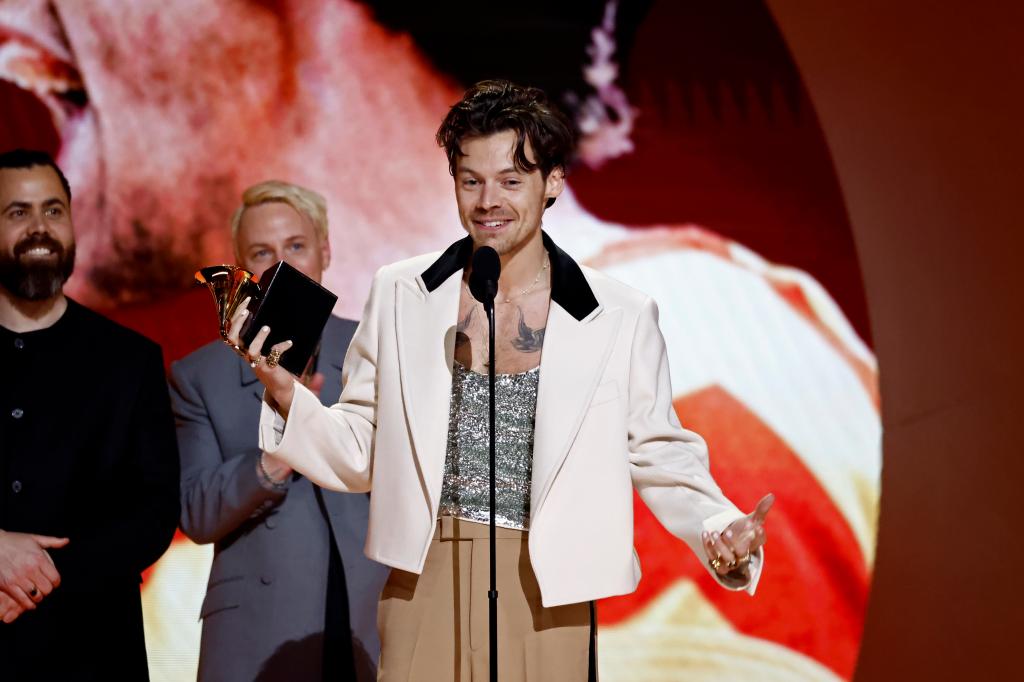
column 492, row 594
column 483, row 285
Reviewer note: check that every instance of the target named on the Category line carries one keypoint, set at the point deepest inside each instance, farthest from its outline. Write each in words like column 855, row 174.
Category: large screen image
column 703, row 179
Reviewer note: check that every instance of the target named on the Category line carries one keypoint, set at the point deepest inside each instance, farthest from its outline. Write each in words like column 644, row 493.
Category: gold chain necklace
column 536, row 281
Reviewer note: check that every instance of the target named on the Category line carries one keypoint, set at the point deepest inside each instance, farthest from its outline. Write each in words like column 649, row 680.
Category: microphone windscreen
column 483, row 280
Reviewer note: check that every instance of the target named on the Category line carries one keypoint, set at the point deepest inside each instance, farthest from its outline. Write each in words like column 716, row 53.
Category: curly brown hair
column 494, row 106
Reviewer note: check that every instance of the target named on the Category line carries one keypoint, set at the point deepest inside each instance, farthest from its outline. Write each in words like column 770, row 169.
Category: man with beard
column 579, row 425
column 89, row 465
column 290, row 594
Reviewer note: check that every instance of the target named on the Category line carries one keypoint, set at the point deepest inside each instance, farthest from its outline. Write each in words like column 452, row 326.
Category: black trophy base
column 295, row 308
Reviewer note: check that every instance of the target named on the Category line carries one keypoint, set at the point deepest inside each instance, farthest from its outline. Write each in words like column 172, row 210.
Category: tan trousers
column 433, row 626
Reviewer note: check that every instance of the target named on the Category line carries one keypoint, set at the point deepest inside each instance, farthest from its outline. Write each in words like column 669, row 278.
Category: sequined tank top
column 465, row 492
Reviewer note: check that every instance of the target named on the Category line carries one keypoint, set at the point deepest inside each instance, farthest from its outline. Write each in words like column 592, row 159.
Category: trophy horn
column 230, row 285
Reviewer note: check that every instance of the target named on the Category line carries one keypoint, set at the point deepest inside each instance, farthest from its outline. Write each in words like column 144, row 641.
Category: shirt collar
column 569, row 286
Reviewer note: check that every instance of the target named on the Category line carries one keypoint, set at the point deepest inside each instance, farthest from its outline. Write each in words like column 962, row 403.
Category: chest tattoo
column 529, row 340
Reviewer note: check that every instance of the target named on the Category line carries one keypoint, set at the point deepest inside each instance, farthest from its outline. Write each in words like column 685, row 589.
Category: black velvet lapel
column 454, row 258
column 569, row 288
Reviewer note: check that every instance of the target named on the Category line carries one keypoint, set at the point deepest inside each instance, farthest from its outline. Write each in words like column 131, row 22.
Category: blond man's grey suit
column 263, row 615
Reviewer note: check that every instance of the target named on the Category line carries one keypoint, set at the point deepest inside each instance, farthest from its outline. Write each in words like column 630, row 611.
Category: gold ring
column 273, row 358
column 715, row 563
column 238, row 349
column 256, row 363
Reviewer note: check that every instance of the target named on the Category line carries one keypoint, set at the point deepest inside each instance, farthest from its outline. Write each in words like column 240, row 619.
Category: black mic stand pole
column 483, row 285
column 492, row 594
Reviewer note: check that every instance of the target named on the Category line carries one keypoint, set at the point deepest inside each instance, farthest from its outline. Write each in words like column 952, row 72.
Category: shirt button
column 19, row 343
column 16, row 486
column 266, row 580
column 269, row 523
column 17, row 413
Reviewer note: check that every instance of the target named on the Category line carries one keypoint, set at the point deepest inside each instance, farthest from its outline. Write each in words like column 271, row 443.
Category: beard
column 41, row 279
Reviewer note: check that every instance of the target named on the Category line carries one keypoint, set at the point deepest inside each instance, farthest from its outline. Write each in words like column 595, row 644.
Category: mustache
column 36, row 240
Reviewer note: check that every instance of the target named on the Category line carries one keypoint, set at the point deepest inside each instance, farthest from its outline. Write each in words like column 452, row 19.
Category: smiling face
column 275, row 231
column 500, row 205
column 37, row 241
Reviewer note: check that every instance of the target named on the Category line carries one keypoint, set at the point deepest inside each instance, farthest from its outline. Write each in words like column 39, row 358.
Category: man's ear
column 325, row 251
column 553, row 185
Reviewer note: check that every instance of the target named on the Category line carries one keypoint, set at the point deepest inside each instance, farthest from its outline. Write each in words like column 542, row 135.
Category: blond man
column 290, row 594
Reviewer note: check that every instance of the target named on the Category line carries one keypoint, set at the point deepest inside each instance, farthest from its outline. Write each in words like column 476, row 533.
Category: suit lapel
column 572, row 364
column 332, row 354
column 247, row 378
column 425, row 327
column 331, row 389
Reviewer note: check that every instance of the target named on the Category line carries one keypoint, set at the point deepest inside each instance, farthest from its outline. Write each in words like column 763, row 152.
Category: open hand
column 27, row 573
column 730, row 550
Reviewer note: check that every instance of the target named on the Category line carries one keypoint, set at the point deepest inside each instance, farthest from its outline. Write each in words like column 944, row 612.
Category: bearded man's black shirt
column 87, row 452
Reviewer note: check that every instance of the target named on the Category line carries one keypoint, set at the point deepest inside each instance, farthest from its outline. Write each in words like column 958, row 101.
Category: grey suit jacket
column 263, row 615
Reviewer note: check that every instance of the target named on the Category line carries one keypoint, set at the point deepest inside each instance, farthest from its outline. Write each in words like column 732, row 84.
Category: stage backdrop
column 703, row 181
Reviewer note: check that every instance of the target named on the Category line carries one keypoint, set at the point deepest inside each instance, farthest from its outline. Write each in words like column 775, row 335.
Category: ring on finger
column 33, row 593
column 256, row 363
column 273, row 358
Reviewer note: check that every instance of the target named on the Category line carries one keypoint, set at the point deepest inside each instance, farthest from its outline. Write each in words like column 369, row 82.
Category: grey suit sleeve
column 219, row 491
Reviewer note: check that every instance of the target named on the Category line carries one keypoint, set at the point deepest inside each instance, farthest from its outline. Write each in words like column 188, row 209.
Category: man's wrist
column 272, row 478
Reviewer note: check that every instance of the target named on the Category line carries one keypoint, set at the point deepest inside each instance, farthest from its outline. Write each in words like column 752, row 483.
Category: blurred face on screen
column 37, row 243
column 275, row 231
column 167, row 111
column 500, row 205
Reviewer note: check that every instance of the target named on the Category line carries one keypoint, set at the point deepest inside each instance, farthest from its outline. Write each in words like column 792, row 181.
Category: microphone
column 483, row 280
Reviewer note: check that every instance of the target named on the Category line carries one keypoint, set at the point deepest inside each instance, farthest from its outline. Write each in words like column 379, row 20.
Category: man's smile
column 38, row 247
column 492, row 225
column 37, row 252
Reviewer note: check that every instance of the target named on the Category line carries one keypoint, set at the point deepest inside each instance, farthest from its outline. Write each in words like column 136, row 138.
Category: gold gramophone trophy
column 230, row 286
column 290, row 304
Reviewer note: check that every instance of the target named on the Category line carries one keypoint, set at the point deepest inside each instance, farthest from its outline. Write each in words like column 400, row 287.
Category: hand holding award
column 286, row 312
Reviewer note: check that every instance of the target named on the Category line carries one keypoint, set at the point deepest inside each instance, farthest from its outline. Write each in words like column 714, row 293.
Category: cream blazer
column 605, row 423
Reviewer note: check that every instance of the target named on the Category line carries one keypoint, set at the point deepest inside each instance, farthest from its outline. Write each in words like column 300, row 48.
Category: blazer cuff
column 273, row 427
column 718, row 523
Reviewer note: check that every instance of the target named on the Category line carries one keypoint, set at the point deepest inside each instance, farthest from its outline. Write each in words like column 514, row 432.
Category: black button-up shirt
column 87, row 452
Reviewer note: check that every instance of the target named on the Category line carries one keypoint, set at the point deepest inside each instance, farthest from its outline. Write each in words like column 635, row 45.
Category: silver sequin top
column 465, row 492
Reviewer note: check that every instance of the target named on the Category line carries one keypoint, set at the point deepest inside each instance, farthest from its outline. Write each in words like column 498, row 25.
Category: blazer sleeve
column 333, row 446
column 669, row 464
column 136, row 520
column 218, row 492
